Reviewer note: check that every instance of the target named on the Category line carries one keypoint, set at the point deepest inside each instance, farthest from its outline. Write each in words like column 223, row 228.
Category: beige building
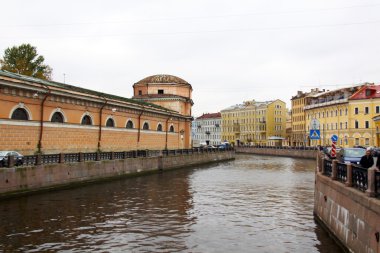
column 255, row 123
column 299, row 135
column 288, row 132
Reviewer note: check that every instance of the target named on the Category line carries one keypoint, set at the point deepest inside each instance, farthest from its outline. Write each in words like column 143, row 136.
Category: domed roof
column 162, row 79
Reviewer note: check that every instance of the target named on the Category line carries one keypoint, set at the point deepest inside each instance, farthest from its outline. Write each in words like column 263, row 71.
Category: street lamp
column 182, row 132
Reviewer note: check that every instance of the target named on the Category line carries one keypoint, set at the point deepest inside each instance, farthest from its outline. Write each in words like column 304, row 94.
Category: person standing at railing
column 367, row 160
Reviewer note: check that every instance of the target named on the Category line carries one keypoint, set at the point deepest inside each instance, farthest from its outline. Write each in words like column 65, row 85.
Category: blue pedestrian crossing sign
column 315, row 134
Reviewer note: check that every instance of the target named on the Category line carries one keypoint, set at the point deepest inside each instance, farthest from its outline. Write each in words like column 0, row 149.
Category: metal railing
column 275, row 147
column 359, row 178
column 47, row 159
column 32, row 160
column 89, row 156
column 377, row 182
column 341, row 174
column 328, row 168
column 71, row 158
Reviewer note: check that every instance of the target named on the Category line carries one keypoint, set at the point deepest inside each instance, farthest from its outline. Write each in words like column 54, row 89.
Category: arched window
column 110, row 123
column 146, row 126
column 159, row 128
column 57, row 117
column 86, row 120
column 171, row 129
column 129, row 124
column 20, row 114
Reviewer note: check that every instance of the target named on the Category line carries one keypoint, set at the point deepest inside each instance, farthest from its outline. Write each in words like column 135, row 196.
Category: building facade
column 364, row 107
column 49, row 117
column 347, row 113
column 288, row 132
column 207, row 129
column 376, row 120
column 254, row 123
column 299, row 137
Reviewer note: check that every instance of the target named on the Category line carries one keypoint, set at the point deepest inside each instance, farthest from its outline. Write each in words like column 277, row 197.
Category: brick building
column 44, row 116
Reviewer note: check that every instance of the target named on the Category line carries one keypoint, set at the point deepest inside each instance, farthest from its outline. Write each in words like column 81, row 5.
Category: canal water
column 252, row 204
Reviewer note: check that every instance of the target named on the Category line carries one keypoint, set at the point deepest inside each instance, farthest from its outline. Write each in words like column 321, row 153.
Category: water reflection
column 252, row 204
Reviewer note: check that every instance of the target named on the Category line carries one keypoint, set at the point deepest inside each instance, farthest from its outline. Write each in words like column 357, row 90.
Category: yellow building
column 364, row 107
column 298, row 118
column 346, row 113
column 288, row 132
column 254, row 123
column 376, row 120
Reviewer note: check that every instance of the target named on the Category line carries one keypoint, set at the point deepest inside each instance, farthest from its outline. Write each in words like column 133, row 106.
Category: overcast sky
column 229, row 51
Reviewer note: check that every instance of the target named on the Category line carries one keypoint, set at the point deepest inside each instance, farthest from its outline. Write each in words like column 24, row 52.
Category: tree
column 25, row 60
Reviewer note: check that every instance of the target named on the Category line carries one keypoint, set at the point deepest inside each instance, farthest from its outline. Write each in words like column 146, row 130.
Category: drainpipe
column 100, row 121
column 39, row 145
column 139, row 129
column 167, row 129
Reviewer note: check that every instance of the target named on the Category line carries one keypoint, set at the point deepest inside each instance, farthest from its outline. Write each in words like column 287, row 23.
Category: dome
column 162, row 79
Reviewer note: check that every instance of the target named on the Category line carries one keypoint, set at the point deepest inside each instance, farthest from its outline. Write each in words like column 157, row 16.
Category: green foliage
column 25, row 60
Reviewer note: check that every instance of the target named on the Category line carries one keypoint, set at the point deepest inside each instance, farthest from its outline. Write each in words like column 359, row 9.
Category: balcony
column 333, row 102
column 236, row 127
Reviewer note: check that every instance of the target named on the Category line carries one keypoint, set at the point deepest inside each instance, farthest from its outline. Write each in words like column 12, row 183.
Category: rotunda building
column 167, row 91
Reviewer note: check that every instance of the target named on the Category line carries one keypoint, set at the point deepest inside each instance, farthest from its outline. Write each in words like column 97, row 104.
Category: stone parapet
column 351, row 215
column 297, row 153
column 20, row 180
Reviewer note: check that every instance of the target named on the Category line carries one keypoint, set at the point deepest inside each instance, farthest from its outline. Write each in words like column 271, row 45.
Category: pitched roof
column 77, row 89
column 366, row 92
column 163, row 79
column 210, row 116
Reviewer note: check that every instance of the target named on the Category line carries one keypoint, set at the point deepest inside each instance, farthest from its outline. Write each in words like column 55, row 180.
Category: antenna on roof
column 64, row 78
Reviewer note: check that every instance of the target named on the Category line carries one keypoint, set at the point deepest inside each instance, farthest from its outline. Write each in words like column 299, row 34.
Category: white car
column 4, row 158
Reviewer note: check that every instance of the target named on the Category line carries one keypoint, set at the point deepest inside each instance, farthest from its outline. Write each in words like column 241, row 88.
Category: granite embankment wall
column 347, row 205
column 297, row 153
column 20, row 180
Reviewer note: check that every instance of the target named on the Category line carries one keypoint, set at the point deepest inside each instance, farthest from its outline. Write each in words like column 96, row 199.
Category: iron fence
column 32, row 160
column 71, row 158
column 377, row 183
column 341, row 172
column 274, row 147
column 29, row 160
column 359, row 178
column 328, row 168
column 89, row 156
column 46, row 159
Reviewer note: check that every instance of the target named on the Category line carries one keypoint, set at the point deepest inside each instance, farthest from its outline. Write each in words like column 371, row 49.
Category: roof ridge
column 78, row 89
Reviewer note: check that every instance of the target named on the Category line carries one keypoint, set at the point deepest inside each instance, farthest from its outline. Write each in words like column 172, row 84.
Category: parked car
column 223, row 146
column 358, row 146
column 4, row 158
column 376, row 152
column 352, row 155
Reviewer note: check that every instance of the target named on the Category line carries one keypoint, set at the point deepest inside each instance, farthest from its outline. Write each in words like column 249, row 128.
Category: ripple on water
column 252, row 204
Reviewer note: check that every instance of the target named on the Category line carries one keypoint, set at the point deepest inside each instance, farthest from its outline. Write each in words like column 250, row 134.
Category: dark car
column 376, row 152
column 4, row 158
column 352, row 155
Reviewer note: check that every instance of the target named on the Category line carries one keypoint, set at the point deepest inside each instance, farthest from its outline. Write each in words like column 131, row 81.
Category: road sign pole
column 333, row 149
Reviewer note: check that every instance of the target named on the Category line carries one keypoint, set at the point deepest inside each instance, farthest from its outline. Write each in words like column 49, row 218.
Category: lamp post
column 182, row 132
